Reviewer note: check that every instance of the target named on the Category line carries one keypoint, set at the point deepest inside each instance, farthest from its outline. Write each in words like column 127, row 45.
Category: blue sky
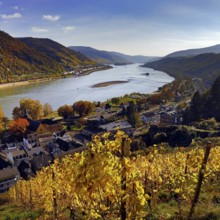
column 146, row 27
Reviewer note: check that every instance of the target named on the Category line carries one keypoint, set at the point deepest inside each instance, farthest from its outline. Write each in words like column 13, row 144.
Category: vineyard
column 109, row 182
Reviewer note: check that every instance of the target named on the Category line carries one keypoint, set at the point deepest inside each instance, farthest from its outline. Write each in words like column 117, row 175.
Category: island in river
column 109, row 83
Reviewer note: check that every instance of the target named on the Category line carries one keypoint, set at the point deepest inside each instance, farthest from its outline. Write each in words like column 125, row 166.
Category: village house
column 70, row 152
column 40, row 161
column 168, row 118
column 16, row 156
column 45, row 139
column 44, row 126
column 63, row 135
column 8, row 177
column 35, row 151
column 53, row 148
column 151, row 118
column 4, row 162
column 63, row 145
column 8, row 173
column 11, row 146
column 121, row 125
column 33, row 140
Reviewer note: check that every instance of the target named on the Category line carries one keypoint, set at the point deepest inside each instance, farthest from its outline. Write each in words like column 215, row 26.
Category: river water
column 69, row 90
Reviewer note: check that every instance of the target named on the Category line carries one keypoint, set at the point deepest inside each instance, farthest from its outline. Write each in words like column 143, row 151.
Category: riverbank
column 25, row 82
column 21, row 83
column 104, row 84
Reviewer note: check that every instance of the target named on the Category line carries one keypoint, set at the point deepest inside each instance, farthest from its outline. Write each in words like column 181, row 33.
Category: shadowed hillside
column 204, row 66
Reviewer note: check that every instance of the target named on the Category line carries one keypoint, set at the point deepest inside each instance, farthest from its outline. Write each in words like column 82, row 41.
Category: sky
column 135, row 27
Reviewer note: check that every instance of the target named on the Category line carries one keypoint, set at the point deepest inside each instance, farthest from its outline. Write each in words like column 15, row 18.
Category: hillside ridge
column 194, row 52
column 204, row 66
column 21, row 61
column 111, row 57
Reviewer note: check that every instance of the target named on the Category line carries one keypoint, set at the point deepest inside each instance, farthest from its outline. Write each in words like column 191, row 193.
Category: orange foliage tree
column 19, row 126
column 1, row 118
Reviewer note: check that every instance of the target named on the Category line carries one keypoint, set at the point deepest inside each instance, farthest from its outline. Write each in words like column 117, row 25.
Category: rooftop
column 115, row 125
column 8, row 173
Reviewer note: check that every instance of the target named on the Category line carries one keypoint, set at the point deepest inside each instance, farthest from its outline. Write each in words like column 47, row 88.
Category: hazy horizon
column 134, row 27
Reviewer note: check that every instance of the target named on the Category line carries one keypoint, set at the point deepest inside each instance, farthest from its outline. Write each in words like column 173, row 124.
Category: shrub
column 208, row 124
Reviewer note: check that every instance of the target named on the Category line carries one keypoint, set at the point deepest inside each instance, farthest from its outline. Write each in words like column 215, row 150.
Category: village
column 47, row 139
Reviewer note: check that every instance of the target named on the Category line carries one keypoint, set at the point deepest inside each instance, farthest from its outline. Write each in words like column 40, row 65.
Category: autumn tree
column 47, row 109
column 1, row 118
column 19, row 126
column 66, row 111
column 83, row 108
column 5, row 121
column 28, row 107
column 33, row 107
column 1, row 113
column 155, row 99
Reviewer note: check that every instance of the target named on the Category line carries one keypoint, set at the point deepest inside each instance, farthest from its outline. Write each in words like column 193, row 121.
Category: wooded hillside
column 204, row 66
column 20, row 61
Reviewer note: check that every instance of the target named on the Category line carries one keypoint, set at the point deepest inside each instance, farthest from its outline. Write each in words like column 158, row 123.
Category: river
column 69, row 90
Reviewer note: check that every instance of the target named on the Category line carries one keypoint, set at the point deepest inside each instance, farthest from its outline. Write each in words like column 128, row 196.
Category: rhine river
column 69, row 90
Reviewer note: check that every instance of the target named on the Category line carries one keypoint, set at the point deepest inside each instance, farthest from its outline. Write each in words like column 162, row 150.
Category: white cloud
column 15, row 7
column 51, row 17
column 1, row 3
column 39, row 30
column 68, row 29
column 12, row 16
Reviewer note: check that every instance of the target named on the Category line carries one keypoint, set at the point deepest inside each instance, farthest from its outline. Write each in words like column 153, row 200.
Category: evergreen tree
column 132, row 115
column 215, row 99
column 194, row 113
column 205, row 106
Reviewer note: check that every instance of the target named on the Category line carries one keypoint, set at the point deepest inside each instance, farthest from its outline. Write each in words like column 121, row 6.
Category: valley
column 109, row 110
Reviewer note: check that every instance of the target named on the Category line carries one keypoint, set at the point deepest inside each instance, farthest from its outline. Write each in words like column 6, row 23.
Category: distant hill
column 204, row 66
column 137, row 58
column 99, row 56
column 194, row 52
column 107, row 57
column 19, row 61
